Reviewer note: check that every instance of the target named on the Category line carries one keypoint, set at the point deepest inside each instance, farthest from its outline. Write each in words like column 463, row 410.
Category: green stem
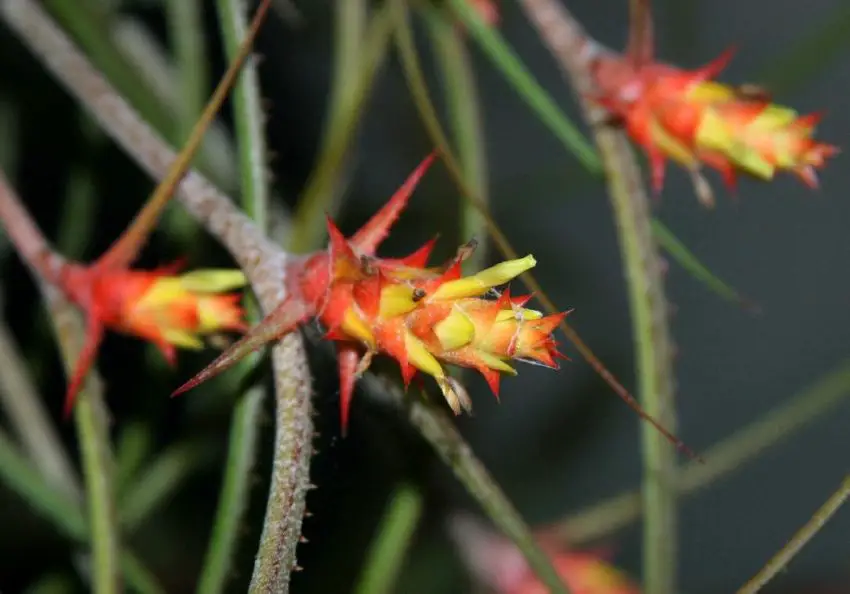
column 647, row 303
column 392, row 542
column 781, row 560
column 90, row 416
column 458, row 80
column 186, row 32
column 723, row 458
column 358, row 60
column 651, row 334
column 439, row 431
column 234, row 496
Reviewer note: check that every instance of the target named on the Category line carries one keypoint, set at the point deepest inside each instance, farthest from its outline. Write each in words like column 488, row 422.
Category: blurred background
column 557, row 442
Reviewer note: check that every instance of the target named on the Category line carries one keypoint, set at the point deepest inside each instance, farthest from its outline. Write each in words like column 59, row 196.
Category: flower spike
column 421, row 317
column 685, row 116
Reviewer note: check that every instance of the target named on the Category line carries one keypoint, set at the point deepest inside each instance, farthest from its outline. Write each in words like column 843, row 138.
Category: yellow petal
column 480, row 283
column 455, row 331
column 212, row 280
column 182, row 339
column 419, row 356
column 353, row 325
column 396, row 300
column 494, row 362
column 526, row 314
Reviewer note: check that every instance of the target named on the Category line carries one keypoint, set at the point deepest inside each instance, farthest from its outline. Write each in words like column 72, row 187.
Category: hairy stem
column 565, row 39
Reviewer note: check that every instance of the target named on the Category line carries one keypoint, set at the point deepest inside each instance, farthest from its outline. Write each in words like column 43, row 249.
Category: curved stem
column 781, row 560
column 648, row 305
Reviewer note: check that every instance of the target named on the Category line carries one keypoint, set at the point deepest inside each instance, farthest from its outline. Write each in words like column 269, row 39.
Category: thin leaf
column 390, row 546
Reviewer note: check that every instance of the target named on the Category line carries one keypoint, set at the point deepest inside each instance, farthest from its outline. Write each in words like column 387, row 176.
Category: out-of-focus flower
column 171, row 311
column 495, row 562
column 686, row 116
column 683, row 116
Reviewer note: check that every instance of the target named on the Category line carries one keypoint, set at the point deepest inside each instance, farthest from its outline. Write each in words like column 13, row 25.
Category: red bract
column 156, row 305
column 683, row 115
column 419, row 316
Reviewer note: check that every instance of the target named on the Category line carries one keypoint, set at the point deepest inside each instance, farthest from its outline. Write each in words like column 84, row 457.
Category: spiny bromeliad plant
column 421, row 316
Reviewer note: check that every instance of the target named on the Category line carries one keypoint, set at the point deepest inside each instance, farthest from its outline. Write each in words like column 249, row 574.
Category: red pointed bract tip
column 370, row 236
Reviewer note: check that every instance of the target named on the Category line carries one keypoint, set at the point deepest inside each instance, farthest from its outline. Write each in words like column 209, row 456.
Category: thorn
column 303, row 539
column 308, row 513
column 297, row 567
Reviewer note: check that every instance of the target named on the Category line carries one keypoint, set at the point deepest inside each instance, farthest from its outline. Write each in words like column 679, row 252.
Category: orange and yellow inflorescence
column 171, row 311
column 426, row 318
column 687, row 117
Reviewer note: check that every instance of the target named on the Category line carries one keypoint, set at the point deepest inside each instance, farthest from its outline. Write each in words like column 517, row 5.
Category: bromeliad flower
column 497, row 563
column 685, row 116
column 156, row 305
column 422, row 317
